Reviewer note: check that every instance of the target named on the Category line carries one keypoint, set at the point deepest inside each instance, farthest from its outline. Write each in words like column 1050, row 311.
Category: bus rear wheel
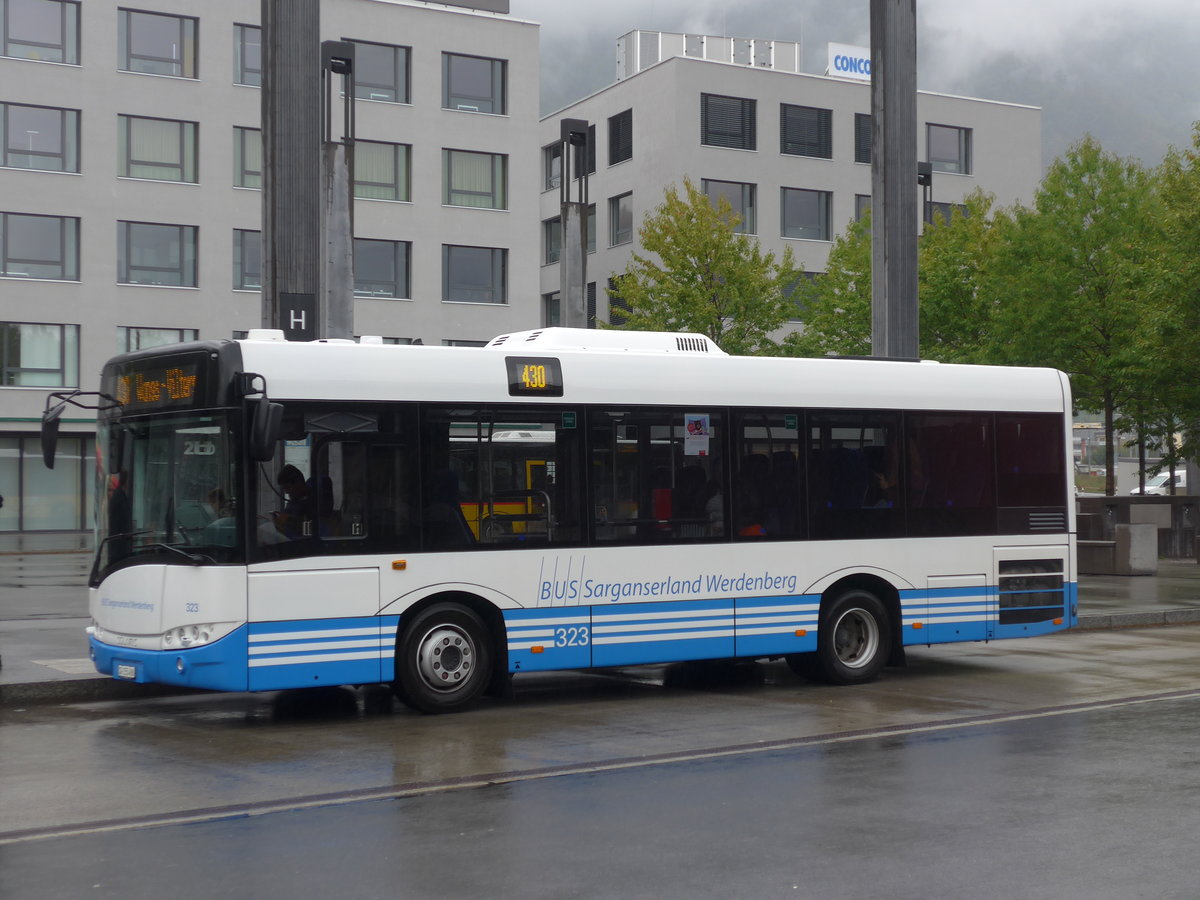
column 853, row 641
column 443, row 659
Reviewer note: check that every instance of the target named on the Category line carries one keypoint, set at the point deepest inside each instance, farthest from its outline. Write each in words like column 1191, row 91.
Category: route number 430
column 576, row 636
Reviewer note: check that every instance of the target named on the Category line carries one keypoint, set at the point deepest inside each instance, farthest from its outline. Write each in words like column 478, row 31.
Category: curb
column 1181, row 616
column 84, row 690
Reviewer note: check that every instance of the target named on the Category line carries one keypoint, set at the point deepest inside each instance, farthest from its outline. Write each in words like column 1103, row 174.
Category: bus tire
column 853, row 640
column 443, row 660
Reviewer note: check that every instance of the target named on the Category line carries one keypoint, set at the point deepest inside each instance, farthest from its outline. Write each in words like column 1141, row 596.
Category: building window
column 805, row 214
column 591, row 228
column 46, row 30
column 938, row 209
column 620, row 137
column 247, row 260
column 381, row 268
column 247, row 157
column 551, row 240
column 805, row 131
column 552, row 166
column 620, row 219
column 247, row 55
column 862, row 138
column 129, row 339
column 862, row 206
column 740, row 197
column 381, row 72
column 727, row 122
column 156, row 43
column 473, row 83
column 37, row 354
column 474, row 179
column 474, row 274
column 160, row 149
column 381, row 171
column 618, row 306
column 39, row 246
column 949, row 149
column 39, row 137
column 551, row 310
column 148, row 253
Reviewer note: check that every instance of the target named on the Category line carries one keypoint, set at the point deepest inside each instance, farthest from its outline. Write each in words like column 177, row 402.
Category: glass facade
column 41, row 499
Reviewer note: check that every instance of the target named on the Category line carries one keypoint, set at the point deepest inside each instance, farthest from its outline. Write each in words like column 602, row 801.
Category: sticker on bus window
column 697, row 427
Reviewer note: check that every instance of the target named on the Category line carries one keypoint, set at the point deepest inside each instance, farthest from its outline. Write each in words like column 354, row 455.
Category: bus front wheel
column 853, row 640
column 443, row 659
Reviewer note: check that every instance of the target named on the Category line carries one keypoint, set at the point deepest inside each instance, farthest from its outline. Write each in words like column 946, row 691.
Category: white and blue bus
column 276, row 515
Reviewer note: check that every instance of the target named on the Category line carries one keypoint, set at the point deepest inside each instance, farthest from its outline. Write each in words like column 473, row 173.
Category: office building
column 131, row 208
column 790, row 151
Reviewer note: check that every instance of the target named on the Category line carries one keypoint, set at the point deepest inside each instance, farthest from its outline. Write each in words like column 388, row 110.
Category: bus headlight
column 188, row 636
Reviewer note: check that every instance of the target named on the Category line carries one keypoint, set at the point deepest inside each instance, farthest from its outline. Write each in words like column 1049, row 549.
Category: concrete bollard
column 1137, row 549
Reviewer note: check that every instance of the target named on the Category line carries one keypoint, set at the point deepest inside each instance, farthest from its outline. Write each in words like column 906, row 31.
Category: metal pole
column 572, row 291
column 337, row 191
column 291, row 121
column 894, row 218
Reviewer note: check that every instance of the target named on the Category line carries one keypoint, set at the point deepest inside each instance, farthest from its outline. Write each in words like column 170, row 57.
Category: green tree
column 1173, row 282
column 954, row 258
column 1069, row 279
column 955, row 273
column 699, row 274
column 835, row 307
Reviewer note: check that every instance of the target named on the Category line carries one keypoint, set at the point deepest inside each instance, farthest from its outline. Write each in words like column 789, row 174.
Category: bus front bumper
column 219, row 666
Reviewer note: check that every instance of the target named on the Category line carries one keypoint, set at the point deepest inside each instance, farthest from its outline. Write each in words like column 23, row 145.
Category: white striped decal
column 318, row 645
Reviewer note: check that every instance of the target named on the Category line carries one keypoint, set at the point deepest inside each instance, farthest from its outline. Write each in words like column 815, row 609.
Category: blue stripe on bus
column 321, row 651
column 545, row 639
column 632, row 633
column 769, row 626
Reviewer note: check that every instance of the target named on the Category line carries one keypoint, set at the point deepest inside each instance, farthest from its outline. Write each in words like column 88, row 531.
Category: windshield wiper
column 195, row 559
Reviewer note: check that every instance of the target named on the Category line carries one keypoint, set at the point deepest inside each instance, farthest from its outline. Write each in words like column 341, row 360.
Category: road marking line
column 396, row 792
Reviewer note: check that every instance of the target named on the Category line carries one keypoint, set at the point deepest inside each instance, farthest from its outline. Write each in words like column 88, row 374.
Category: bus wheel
column 443, row 660
column 853, row 639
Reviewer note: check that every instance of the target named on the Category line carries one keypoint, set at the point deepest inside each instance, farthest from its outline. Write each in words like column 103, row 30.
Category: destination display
column 536, row 375
column 156, row 384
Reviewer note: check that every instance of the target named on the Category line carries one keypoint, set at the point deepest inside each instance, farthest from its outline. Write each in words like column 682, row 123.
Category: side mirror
column 50, row 423
column 264, row 429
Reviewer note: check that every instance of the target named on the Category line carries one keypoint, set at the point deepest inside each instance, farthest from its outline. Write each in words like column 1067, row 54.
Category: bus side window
column 854, row 465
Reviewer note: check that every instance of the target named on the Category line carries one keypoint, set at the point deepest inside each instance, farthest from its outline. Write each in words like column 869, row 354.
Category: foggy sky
column 1128, row 74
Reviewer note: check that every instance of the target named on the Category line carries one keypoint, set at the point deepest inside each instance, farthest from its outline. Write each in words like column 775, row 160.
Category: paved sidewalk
column 44, row 658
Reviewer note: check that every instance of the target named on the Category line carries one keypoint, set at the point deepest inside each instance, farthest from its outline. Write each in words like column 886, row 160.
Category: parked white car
column 1159, row 485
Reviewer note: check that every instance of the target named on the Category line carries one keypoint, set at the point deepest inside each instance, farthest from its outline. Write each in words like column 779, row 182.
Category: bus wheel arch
column 858, row 632
column 449, row 651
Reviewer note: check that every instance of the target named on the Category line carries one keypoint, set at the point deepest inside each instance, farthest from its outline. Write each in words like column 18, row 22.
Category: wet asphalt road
column 1059, row 768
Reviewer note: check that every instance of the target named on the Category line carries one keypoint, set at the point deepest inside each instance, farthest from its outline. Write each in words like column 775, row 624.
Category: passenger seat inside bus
column 444, row 522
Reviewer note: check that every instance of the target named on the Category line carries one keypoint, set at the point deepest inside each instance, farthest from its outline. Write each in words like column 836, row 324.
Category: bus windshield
column 167, row 490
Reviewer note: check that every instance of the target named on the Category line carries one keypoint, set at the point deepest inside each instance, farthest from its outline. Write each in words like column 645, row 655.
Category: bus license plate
column 127, row 671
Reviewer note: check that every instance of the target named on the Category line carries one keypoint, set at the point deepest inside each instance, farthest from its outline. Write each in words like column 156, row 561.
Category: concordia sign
column 848, row 61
